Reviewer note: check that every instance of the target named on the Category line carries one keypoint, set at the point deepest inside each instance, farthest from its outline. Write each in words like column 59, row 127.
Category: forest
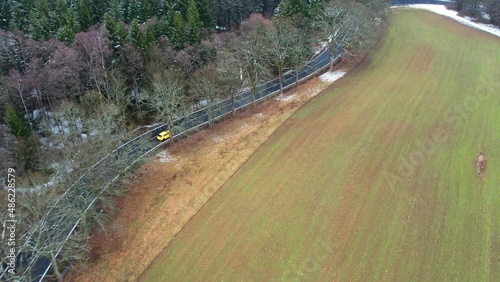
column 85, row 73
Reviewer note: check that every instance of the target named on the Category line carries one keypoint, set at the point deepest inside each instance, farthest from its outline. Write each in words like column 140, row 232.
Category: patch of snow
column 243, row 89
column 321, row 47
column 218, row 139
column 259, row 115
column 332, row 76
column 146, row 126
column 165, row 157
column 243, row 127
column 485, row 15
column 442, row 10
column 62, row 170
column 286, row 98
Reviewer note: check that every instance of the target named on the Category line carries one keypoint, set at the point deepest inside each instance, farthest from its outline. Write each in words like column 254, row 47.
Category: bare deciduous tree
column 167, row 97
column 493, row 9
column 228, row 68
column 345, row 25
column 252, row 49
column 205, row 86
column 281, row 45
column 94, row 53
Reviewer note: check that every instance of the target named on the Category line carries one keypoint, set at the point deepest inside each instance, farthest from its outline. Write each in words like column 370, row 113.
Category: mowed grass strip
column 375, row 179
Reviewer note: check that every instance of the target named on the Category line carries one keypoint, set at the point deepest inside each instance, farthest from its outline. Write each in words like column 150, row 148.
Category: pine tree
column 116, row 33
column 150, row 37
column 19, row 16
column 16, row 123
column 289, row 8
column 97, row 10
column 68, row 31
column 206, row 12
column 162, row 8
column 132, row 10
column 169, row 22
column 114, row 10
column 56, row 11
column 194, row 23
column 136, row 36
column 178, row 32
column 5, row 14
column 124, row 7
column 39, row 27
column 83, row 14
column 157, row 26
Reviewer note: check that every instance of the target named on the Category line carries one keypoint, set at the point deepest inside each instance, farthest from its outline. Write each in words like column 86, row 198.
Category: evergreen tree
column 5, row 14
column 150, row 37
column 194, row 23
column 169, row 22
column 97, row 10
column 124, row 7
column 39, row 24
column 178, row 32
column 116, row 33
column 57, row 15
column 19, row 16
column 206, row 12
column 114, row 10
column 16, row 123
column 147, row 9
column 68, row 31
column 161, row 8
column 136, row 36
column 132, row 10
column 83, row 14
column 157, row 27
column 289, row 8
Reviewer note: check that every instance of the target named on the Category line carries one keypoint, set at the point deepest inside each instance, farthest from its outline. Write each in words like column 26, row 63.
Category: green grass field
column 375, row 179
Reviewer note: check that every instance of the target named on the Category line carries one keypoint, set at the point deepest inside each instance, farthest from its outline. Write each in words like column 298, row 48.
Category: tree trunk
column 331, row 62
column 233, row 102
column 331, row 50
column 281, row 81
column 253, row 89
column 169, row 125
column 55, row 267
column 210, row 115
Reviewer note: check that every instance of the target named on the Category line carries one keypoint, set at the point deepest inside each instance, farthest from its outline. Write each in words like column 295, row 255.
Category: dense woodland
column 84, row 73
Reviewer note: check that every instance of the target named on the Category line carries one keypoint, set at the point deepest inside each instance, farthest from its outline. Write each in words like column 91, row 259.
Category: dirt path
column 178, row 182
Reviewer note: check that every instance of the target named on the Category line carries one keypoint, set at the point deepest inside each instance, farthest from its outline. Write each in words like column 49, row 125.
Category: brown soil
column 178, row 182
column 480, row 165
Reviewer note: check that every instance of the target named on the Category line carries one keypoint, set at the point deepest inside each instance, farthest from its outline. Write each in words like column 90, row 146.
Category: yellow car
column 164, row 135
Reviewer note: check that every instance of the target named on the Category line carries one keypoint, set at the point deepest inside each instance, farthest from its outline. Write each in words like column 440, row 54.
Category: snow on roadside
column 165, row 157
column 219, row 139
column 286, row 98
column 442, row 10
column 332, row 76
